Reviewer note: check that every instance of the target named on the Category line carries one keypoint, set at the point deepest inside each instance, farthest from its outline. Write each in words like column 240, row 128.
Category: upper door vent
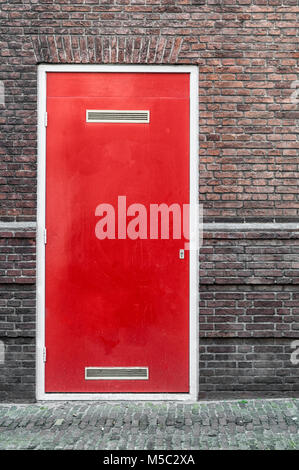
column 115, row 115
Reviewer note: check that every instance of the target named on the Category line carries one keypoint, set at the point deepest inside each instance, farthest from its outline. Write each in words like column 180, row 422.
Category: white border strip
column 194, row 285
column 40, row 230
column 194, row 227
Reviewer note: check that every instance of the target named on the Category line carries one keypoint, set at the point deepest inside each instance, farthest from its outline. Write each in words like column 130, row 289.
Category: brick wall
column 17, row 315
column 249, row 284
column 247, row 367
column 247, row 55
column 249, row 314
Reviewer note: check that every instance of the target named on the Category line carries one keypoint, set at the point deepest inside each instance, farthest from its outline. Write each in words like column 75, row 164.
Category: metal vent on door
column 116, row 373
column 117, row 116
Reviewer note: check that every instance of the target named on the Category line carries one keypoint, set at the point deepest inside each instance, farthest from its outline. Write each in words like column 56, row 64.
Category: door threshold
column 117, row 396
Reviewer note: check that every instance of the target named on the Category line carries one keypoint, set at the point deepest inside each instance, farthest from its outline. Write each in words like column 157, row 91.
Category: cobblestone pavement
column 242, row 424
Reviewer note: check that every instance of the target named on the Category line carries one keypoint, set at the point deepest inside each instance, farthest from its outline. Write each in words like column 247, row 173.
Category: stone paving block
column 254, row 424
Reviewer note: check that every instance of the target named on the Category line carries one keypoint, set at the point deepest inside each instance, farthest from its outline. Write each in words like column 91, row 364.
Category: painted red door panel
column 121, row 302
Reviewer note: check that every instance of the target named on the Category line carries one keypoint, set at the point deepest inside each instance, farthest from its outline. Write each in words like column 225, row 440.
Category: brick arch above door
column 72, row 49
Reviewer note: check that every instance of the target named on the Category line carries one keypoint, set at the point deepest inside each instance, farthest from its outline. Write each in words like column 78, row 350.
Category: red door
column 117, row 309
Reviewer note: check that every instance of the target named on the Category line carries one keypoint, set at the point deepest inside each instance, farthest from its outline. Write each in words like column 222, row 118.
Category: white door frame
column 194, row 228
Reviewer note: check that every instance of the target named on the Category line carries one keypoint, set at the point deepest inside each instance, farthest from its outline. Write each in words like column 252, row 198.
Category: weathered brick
column 247, row 59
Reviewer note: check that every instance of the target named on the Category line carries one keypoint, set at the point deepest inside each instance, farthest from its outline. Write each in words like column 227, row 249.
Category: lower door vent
column 116, row 373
